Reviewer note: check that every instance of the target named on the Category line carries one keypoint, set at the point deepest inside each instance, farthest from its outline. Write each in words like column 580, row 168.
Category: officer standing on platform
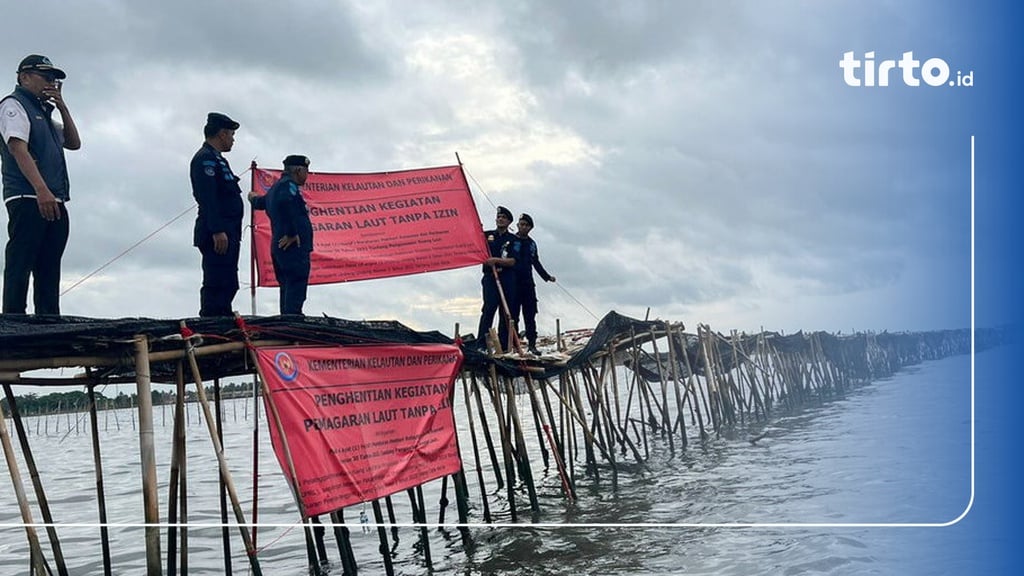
column 218, row 229
column 291, row 232
column 499, row 244
column 527, row 258
column 35, row 185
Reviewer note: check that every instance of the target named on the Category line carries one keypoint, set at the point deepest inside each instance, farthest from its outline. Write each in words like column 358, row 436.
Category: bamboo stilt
column 37, row 560
column 506, row 447
column 37, row 483
column 101, row 500
column 218, row 449
column 476, row 450
column 487, row 431
column 177, row 445
column 150, row 499
column 221, row 484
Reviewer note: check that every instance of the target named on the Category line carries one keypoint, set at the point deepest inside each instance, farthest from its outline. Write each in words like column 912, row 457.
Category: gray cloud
column 703, row 159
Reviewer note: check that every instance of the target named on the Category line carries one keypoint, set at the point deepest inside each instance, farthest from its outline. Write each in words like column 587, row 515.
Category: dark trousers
column 34, row 248
column 292, row 271
column 492, row 303
column 220, row 279
column 526, row 302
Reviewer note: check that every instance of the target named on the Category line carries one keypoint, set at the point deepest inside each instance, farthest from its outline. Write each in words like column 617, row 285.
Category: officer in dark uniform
column 499, row 243
column 524, row 249
column 218, row 230
column 291, row 233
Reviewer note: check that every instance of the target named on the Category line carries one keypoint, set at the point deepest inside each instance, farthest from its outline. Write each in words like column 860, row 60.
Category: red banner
column 379, row 225
column 362, row 422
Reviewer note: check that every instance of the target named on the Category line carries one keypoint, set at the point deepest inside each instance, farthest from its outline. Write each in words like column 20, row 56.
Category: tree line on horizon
column 78, row 400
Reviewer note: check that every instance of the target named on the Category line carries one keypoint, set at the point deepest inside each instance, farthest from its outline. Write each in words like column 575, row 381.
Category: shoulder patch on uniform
column 208, row 171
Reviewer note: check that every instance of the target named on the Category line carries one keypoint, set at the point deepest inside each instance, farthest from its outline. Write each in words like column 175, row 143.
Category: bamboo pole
column 539, row 432
column 341, row 536
column 601, row 413
column 674, row 365
column 177, row 445
column 615, row 387
column 37, row 560
column 487, row 431
column 101, row 500
column 37, row 483
column 183, row 496
column 221, row 484
column 476, row 449
column 566, row 485
column 24, row 365
column 691, row 384
column 459, row 485
column 577, row 416
column 588, row 435
column 636, row 385
column 218, row 449
column 506, row 447
column 151, row 502
column 713, row 409
column 419, row 514
column 594, row 401
column 666, row 428
column 525, row 470
column 555, row 435
column 382, row 534
column 565, row 418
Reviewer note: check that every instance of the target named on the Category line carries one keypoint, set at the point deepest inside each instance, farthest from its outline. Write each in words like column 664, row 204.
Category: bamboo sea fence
column 596, row 404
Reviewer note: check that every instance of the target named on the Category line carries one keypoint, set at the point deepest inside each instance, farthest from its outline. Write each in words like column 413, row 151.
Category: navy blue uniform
column 500, row 246
column 289, row 216
column 524, row 250
column 35, row 246
column 215, row 188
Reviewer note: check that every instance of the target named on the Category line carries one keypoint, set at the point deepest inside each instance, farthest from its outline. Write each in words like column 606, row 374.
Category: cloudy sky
column 703, row 160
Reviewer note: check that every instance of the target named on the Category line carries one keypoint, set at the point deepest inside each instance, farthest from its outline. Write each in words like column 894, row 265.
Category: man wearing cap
column 36, row 186
column 527, row 260
column 291, row 233
column 501, row 261
column 218, row 229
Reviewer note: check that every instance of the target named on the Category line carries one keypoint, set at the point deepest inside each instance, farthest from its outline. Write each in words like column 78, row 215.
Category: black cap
column 502, row 211
column 40, row 64
column 296, row 160
column 526, row 218
column 218, row 121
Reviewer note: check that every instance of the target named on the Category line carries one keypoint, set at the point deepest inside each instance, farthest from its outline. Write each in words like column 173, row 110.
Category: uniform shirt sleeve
column 291, row 204
column 537, row 265
column 204, row 176
column 14, row 122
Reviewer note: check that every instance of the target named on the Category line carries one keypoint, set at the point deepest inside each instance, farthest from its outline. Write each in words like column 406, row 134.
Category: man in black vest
column 35, row 182
column 218, row 229
column 291, row 232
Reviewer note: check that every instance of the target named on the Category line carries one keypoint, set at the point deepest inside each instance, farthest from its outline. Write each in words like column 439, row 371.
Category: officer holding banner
column 500, row 266
column 291, row 233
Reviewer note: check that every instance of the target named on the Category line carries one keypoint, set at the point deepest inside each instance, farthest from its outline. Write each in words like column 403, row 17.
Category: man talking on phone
column 35, row 185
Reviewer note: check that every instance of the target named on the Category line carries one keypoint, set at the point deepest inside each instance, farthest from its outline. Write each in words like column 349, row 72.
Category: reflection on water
column 895, row 451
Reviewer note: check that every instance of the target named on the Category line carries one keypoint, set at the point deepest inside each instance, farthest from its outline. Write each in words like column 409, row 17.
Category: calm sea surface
column 894, row 451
